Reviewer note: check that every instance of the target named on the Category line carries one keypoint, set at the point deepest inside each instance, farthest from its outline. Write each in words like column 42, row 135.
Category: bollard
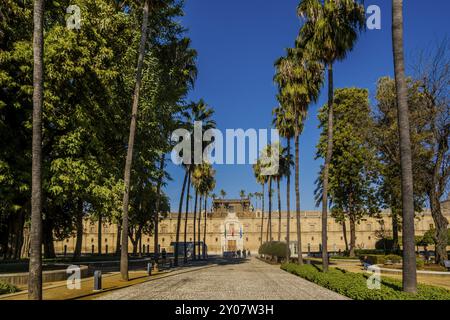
column 97, row 280
column 149, row 269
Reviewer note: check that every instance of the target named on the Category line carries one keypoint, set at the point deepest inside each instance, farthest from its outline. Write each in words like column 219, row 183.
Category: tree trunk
column 288, row 204
column 395, row 247
column 441, row 223
column 199, row 228
column 119, row 232
column 326, row 169
column 269, row 221
column 344, row 231
column 186, row 216
column 99, row 235
column 352, row 236
column 194, row 256
column 79, row 223
column 158, row 204
column 180, row 208
column 279, row 209
column 262, row 215
column 409, row 255
column 129, row 160
column 49, row 248
column 35, row 266
column 204, row 229
column 297, row 192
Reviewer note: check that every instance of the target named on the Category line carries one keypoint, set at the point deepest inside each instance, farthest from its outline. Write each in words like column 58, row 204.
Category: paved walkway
column 249, row 280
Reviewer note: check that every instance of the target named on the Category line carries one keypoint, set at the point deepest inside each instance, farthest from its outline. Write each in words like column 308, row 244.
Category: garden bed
column 354, row 285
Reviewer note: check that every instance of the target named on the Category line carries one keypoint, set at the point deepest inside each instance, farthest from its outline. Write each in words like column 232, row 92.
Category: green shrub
column 6, row 288
column 273, row 248
column 393, row 258
column 420, row 263
column 354, row 285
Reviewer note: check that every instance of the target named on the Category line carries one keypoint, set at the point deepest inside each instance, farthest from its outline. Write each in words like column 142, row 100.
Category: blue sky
column 239, row 40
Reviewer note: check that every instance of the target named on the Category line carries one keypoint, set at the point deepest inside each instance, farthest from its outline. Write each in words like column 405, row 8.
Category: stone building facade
column 233, row 225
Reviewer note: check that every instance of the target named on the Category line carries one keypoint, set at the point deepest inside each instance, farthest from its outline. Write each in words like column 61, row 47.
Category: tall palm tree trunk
column 262, row 215
column 198, row 226
column 269, row 221
column 204, row 229
column 288, row 204
column 35, row 267
column 129, row 160
column 180, row 208
column 326, row 169
column 409, row 256
column 158, row 204
column 279, row 209
column 195, row 225
column 186, row 216
column 297, row 194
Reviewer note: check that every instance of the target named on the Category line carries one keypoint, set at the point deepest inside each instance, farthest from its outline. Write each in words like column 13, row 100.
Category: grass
column 354, row 285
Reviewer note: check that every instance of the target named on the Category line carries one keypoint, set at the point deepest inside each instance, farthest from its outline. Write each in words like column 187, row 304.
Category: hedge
column 274, row 249
column 6, row 288
column 354, row 285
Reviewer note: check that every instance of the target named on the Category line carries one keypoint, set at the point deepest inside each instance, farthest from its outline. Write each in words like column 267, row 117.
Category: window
column 312, row 227
column 217, row 239
column 312, row 238
column 106, row 240
column 369, row 227
column 163, row 229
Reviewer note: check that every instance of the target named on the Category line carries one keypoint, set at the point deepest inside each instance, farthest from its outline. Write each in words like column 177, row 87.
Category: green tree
column 385, row 139
column 353, row 174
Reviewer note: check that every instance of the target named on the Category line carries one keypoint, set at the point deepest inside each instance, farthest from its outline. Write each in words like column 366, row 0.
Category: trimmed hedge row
column 354, row 285
column 6, row 288
column 381, row 259
column 274, row 249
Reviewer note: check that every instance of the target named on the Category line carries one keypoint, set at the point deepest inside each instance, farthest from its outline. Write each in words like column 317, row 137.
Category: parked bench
column 447, row 264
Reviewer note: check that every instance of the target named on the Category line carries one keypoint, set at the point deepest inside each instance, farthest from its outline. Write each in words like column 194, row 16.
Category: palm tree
column 299, row 78
column 223, row 194
column 330, row 32
column 409, row 256
column 129, row 159
column 35, row 266
column 242, row 194
column 203, row 178
column 262, row 180
column 186, row 215
column 283, row 121
column 195, row 112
